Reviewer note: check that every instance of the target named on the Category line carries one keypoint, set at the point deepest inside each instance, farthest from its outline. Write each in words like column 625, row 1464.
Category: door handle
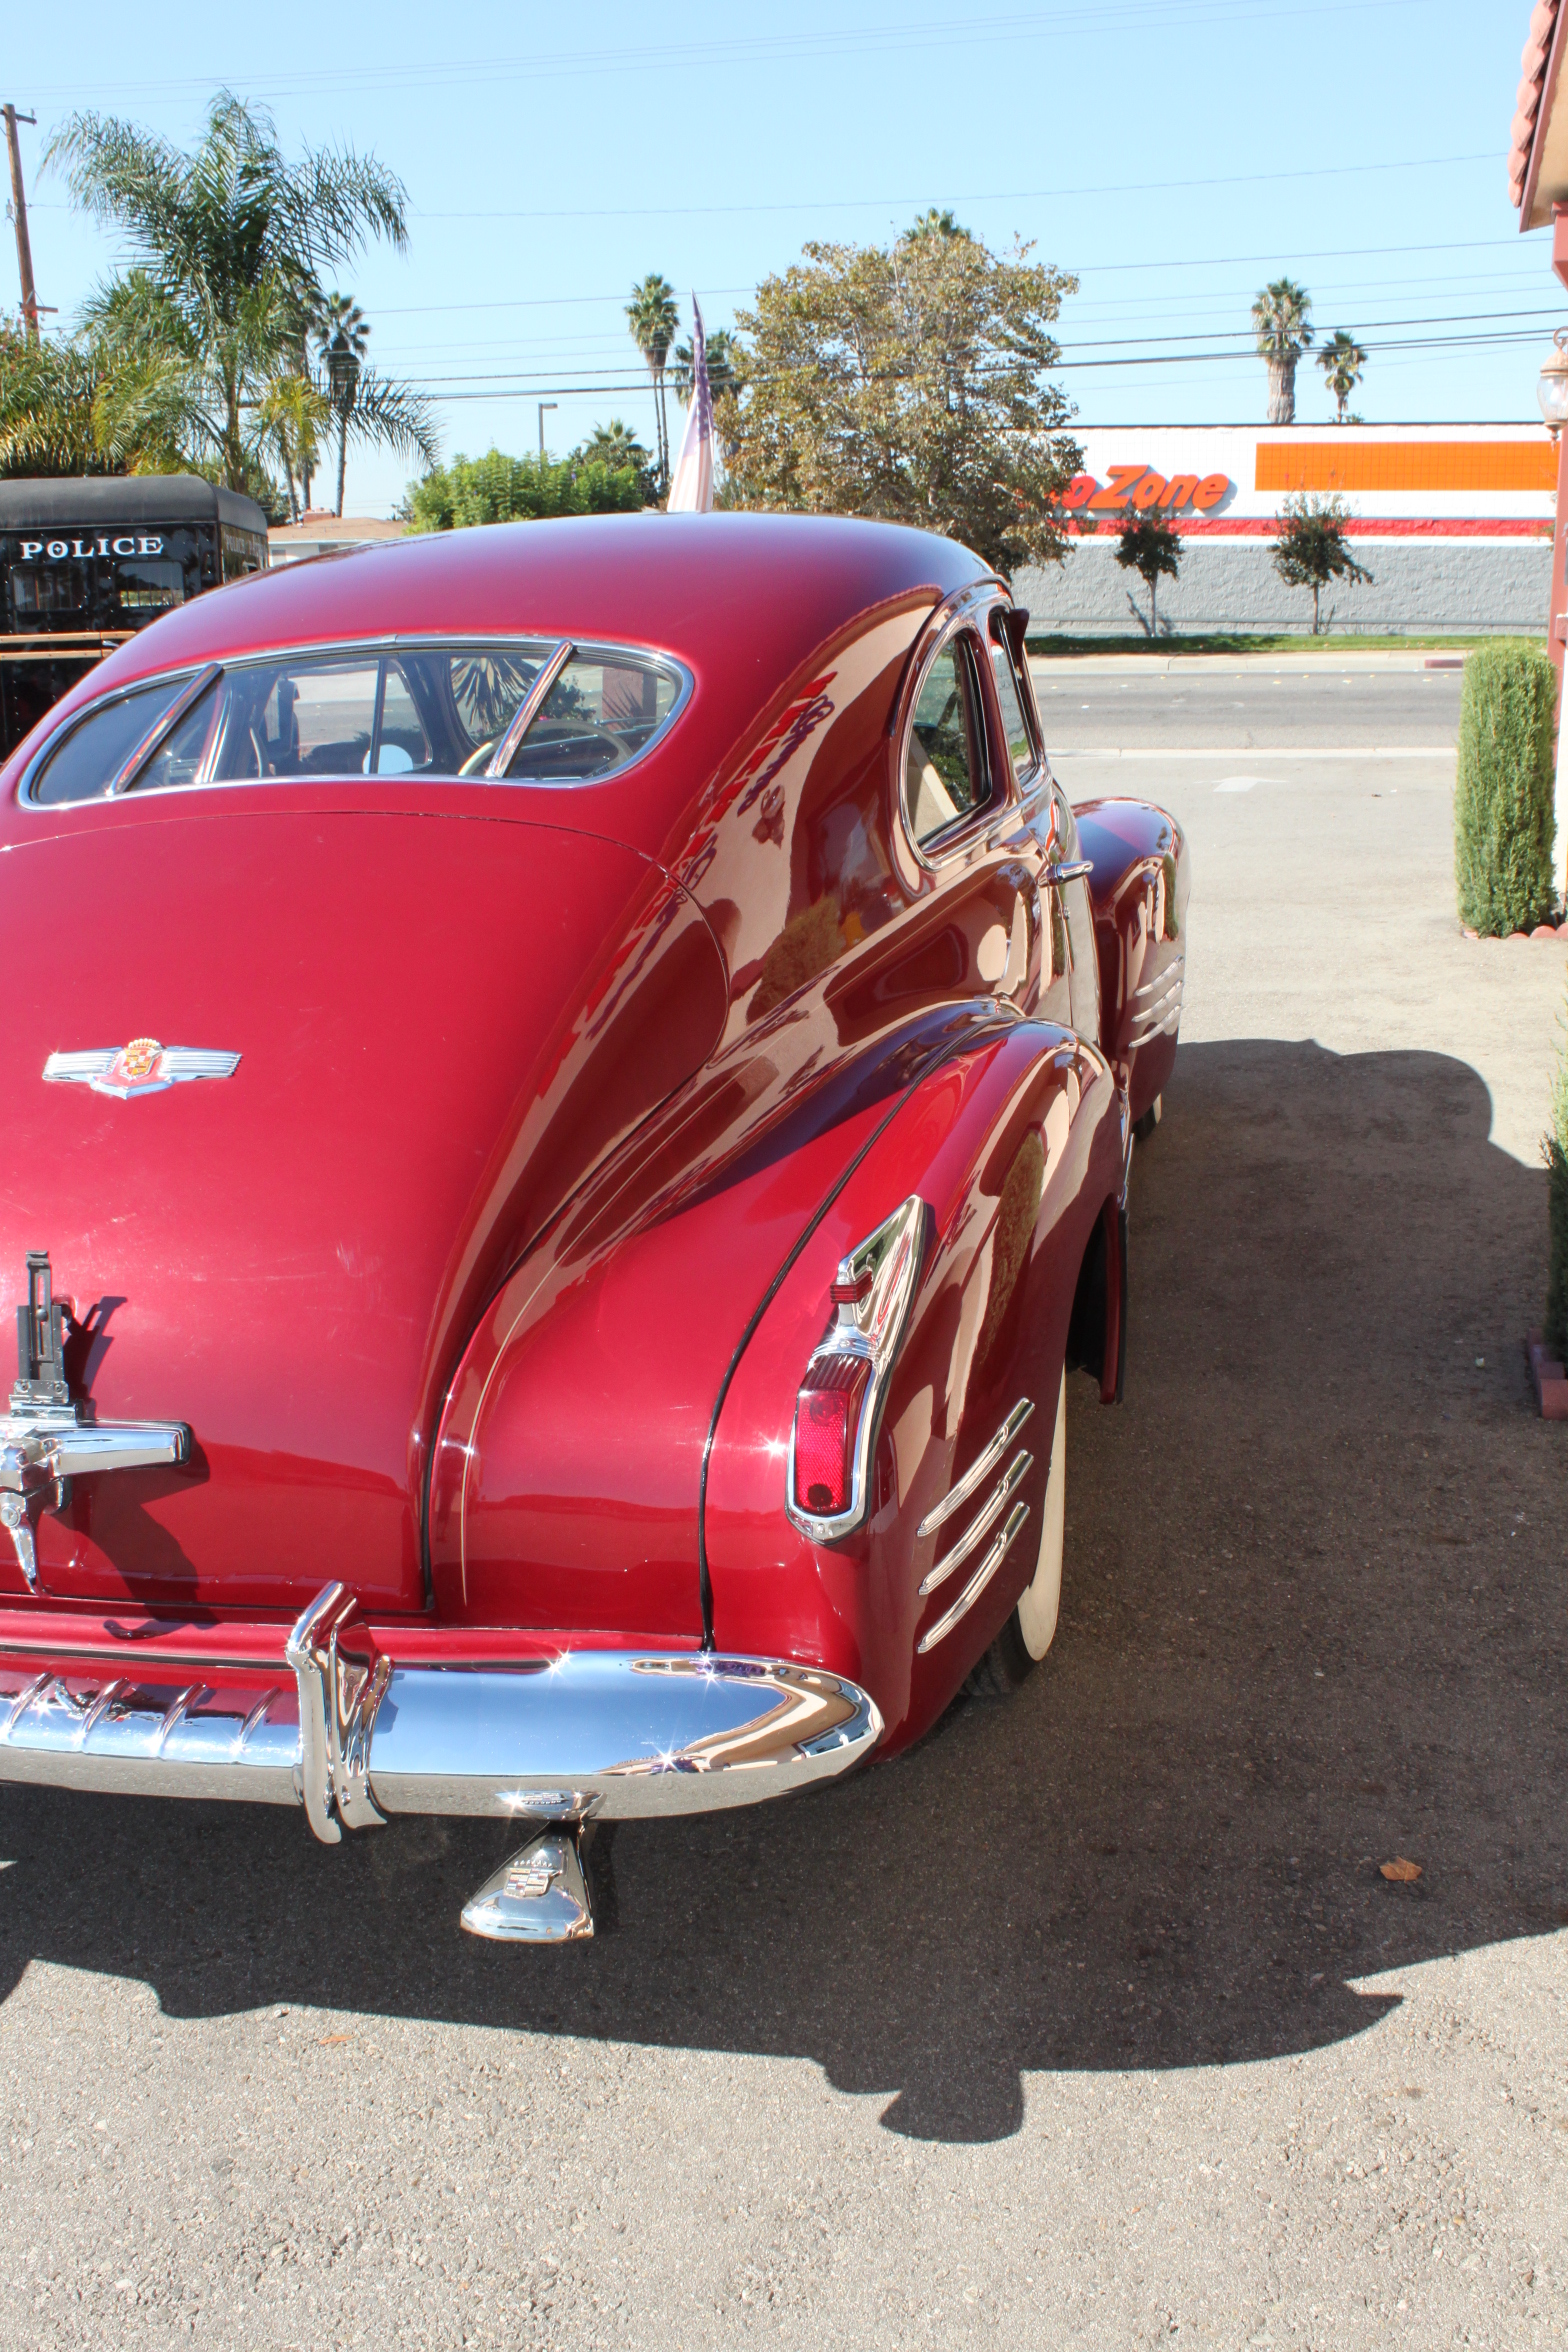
column 1054, row 876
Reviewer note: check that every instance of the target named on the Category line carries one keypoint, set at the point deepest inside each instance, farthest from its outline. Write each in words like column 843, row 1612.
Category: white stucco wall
column 1418, row 584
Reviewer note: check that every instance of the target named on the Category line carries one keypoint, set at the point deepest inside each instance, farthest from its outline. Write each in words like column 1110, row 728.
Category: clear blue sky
column 1173, row 153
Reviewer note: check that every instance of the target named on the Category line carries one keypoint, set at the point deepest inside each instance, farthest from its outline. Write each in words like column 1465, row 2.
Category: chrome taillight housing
column 839, row 1406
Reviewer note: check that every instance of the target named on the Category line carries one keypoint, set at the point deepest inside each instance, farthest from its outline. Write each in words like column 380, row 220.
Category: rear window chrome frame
column 198, row 676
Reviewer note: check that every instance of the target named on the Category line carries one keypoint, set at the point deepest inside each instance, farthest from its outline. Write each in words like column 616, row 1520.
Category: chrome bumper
column 608, row 1735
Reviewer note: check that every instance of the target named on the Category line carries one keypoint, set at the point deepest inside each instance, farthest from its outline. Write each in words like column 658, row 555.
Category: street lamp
column 544, row 404
column 1552, row 387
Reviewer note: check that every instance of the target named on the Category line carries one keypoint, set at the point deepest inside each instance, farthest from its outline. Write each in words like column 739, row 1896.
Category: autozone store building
column 1454, row 522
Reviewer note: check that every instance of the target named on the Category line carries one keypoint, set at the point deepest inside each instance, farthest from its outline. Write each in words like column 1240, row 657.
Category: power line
column 879, row 39
column 1327, row 171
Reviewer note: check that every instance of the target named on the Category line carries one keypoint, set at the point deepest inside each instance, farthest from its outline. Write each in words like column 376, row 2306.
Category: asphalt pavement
column 1086, row 705
column 1093, row 2022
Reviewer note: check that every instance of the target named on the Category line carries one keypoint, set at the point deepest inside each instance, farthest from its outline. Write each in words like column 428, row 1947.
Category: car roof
column 763, row 589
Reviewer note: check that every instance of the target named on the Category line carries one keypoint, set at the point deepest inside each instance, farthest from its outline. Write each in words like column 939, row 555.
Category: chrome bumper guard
column 606, row 1735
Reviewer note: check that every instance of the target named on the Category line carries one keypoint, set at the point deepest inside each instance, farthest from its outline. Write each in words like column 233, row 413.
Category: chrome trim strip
column 891, row 1260
column 1163, row 979
column 979, row 1470
column 1166, row 1028
column 977, row 1583
column 980, row 1526
column 527, row 710
column 595, row 1734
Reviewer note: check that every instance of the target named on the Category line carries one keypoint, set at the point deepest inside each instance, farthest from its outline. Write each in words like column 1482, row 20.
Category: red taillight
column 827, row 1423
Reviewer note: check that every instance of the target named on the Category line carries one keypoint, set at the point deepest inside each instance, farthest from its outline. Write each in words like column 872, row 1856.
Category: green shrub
column 1556, row 1330
column 499, row 489
column 1503, row 793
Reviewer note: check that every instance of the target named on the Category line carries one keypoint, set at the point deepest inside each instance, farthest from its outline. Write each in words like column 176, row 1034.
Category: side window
column 1010, row 697
column 402, row 745
column 90, row 756
column 598, row 715
column 946, row 773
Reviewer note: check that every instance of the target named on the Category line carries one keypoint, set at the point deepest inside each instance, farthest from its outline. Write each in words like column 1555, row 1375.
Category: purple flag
column 691, row 489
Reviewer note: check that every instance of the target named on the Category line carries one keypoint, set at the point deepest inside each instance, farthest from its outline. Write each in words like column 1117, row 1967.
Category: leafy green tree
column 229, row 243
column 653, row 318
column 499, row 489
column 1503, row 793
column 910, row 383
column 1279, row 320
column 1312, row 548
column 1150, row 545
column 1343, row 362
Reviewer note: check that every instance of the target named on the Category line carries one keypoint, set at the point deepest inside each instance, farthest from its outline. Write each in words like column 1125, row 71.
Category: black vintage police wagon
column 87, row 562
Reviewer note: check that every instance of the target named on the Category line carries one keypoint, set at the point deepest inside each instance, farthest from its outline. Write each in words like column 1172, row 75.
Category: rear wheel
column 1031, row 1629
column 1143, row 1128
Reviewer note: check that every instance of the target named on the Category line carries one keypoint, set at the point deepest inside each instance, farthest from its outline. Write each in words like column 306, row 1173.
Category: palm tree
column 1279, row 320
column 1343, row 362
column 653, row 319
column 723, row 375
column 342, row 340
column 230, row 242
column 932, row 223
column 296, row 412
column 615, row 445
column 76, row 407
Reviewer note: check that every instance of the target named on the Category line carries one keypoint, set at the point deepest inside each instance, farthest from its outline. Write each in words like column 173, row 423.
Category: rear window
column 553, row 714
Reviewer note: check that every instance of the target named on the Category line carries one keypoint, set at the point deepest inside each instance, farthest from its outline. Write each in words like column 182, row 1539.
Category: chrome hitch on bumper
column 591, row 1736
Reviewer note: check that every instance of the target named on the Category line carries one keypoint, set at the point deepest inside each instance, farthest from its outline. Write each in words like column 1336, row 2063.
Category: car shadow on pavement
column 1312, row 1623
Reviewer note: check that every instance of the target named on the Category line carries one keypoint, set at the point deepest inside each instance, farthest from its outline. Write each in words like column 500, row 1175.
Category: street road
column 1092, row 2023
column 1311, row 705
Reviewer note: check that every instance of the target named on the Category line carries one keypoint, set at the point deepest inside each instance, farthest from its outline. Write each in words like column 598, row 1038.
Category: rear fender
column 1016, row 1148
column 567, row 1466
column 1139, row 888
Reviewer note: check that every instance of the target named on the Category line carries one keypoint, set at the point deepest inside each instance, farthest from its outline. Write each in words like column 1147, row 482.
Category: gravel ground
column 1091, row 2023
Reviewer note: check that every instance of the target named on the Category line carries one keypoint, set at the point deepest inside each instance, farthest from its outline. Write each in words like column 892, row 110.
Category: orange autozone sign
column 1140, row 488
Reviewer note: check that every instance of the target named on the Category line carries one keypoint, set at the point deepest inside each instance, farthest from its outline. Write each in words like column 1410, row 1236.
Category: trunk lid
column 290, row 1259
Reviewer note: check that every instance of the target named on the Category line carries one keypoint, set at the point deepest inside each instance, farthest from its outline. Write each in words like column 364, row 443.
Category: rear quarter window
column 85, row 761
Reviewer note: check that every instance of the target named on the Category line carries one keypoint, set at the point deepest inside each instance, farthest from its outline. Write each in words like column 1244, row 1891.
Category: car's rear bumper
column 340, row 1728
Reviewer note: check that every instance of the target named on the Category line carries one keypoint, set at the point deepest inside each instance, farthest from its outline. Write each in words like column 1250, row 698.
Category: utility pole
column 24, row 250
column 543, row 405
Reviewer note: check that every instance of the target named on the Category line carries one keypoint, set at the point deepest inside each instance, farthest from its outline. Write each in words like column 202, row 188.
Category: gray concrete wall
column 1491, row 585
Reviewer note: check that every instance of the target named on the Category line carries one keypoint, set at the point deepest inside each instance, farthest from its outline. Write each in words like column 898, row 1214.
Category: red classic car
column 570, row 1092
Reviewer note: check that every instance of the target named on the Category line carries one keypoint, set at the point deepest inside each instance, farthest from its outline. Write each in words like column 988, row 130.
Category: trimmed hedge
column 1503, row 816
column 1555, row 1331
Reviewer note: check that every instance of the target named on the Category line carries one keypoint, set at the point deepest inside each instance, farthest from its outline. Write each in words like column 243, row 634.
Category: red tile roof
column 1532, row 67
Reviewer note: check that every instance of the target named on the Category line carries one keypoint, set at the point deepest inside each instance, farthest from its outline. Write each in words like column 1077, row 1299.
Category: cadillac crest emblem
column 142, row 1067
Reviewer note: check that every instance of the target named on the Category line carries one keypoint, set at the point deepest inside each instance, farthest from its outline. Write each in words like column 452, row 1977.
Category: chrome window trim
column 154, row 736
column 334, row 649
column 528, row 709
column 1028, row 784
column 959, row 840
